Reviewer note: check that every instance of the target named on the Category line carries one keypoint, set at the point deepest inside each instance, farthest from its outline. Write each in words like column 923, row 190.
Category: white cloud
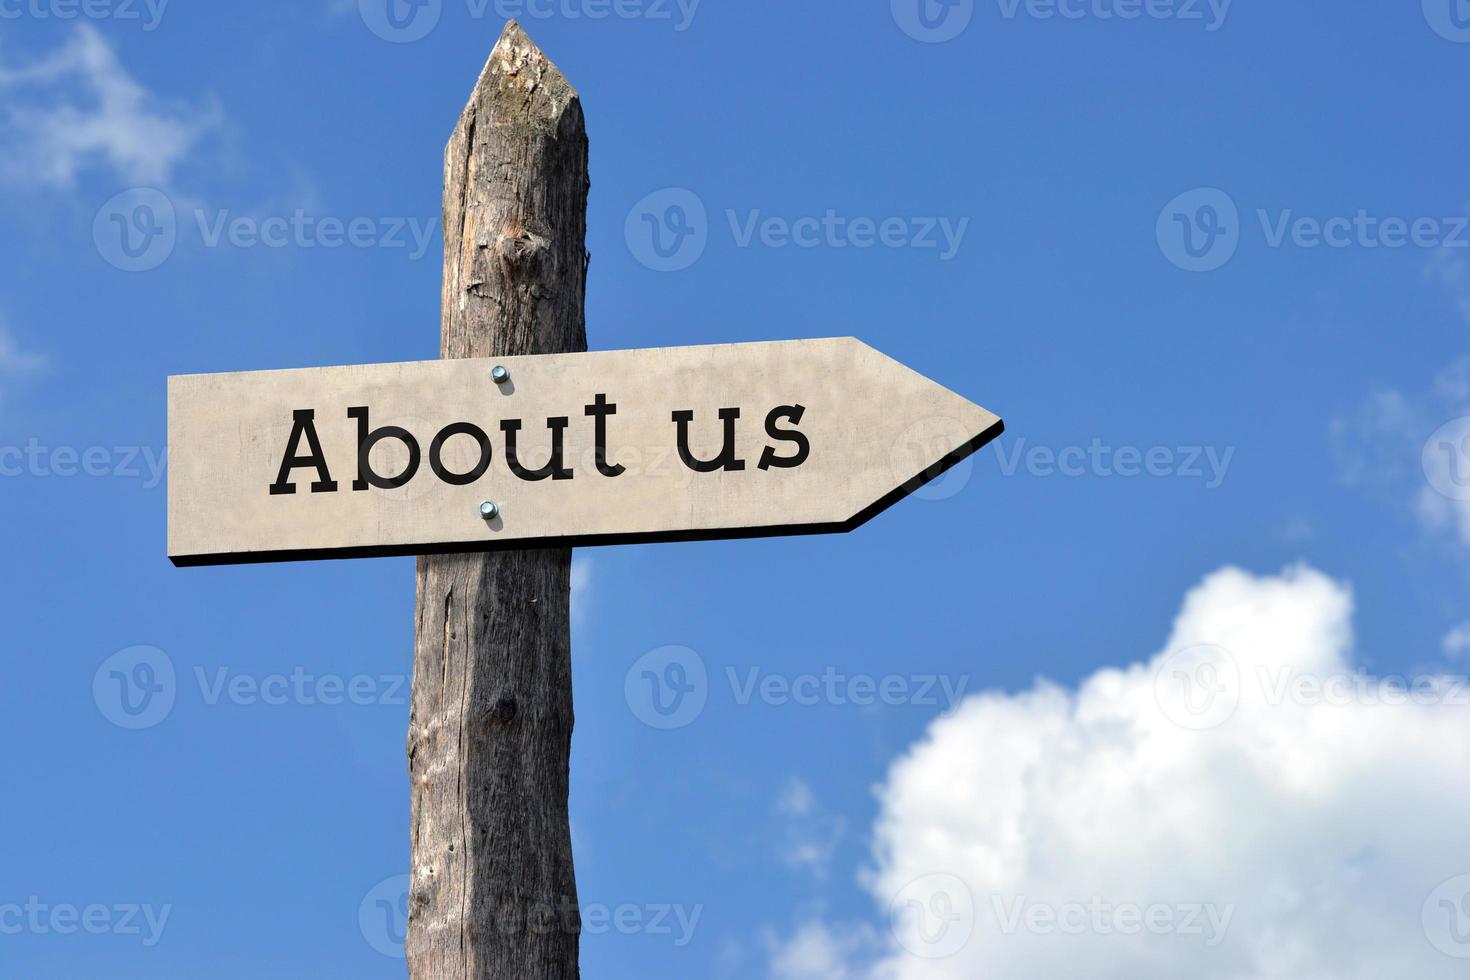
column 797, row 800
column 814, row 953
column 812, row 834
column 1457, row 642
column 16, row 363
column 13, row 360
column 79, row 108
column 1415, row 450
column 1302, row 835
column 1298, row 530
column 1452, row 271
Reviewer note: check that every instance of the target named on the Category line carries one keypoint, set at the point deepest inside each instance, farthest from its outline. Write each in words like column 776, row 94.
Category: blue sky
column 1229, row 240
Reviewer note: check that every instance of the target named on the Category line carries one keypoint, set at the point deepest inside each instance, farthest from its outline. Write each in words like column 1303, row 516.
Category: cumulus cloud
column 79, row 108
column 1246, row 804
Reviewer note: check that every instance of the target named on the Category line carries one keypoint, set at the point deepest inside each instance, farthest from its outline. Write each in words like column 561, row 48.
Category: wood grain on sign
column 825, row 434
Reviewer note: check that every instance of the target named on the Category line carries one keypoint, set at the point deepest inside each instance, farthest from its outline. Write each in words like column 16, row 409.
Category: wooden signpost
column 491, row 463
column 574, row 449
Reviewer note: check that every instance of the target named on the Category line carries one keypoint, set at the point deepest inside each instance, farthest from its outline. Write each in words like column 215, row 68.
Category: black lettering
column 366, row 475
column 436, row 454
column 600, row 410
column 726, row 460
column 303, row 425
column 555, row 466
column 803, row 445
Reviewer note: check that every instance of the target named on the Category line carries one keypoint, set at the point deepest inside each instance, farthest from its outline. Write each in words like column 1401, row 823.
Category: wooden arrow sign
column 433, row 457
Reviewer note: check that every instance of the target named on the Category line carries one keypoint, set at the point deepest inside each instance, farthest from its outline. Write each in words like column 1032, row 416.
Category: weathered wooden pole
column 493, row 893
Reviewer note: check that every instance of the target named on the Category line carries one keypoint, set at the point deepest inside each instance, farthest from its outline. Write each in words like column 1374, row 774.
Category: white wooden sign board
column 680, row 443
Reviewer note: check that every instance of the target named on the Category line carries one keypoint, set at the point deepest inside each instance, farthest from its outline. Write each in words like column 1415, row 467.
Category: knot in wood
column 503, row 712
column 521, row 252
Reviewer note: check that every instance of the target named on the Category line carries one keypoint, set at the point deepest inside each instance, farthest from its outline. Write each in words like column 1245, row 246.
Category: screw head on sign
column 489, row 511
column 500, row 375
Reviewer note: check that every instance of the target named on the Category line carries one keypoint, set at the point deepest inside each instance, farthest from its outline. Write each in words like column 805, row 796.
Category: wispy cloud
column 16, row 363
column 581, row 586
column 1414, row 449
column 1451, row 269
column 79, row 109
column 812, row 834
column 814, row 952
column 1456, row 642
column 13, row 360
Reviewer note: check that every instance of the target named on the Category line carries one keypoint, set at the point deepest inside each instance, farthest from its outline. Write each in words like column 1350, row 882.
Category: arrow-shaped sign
column 679, row 443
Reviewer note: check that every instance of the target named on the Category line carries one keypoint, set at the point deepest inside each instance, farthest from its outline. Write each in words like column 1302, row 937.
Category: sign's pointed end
column 985, row 426
column 933, row 431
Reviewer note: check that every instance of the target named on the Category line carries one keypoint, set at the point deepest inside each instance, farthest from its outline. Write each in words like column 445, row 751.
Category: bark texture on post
column 493, row 894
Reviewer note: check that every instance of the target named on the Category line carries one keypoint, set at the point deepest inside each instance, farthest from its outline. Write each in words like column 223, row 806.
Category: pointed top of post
column 518, row 78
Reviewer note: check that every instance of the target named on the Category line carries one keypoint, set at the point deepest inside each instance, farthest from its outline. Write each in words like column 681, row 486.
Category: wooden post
column 493, row 894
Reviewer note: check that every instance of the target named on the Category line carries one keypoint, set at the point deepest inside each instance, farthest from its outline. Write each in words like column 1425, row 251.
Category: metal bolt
column 500, row 375
column 489, row 511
